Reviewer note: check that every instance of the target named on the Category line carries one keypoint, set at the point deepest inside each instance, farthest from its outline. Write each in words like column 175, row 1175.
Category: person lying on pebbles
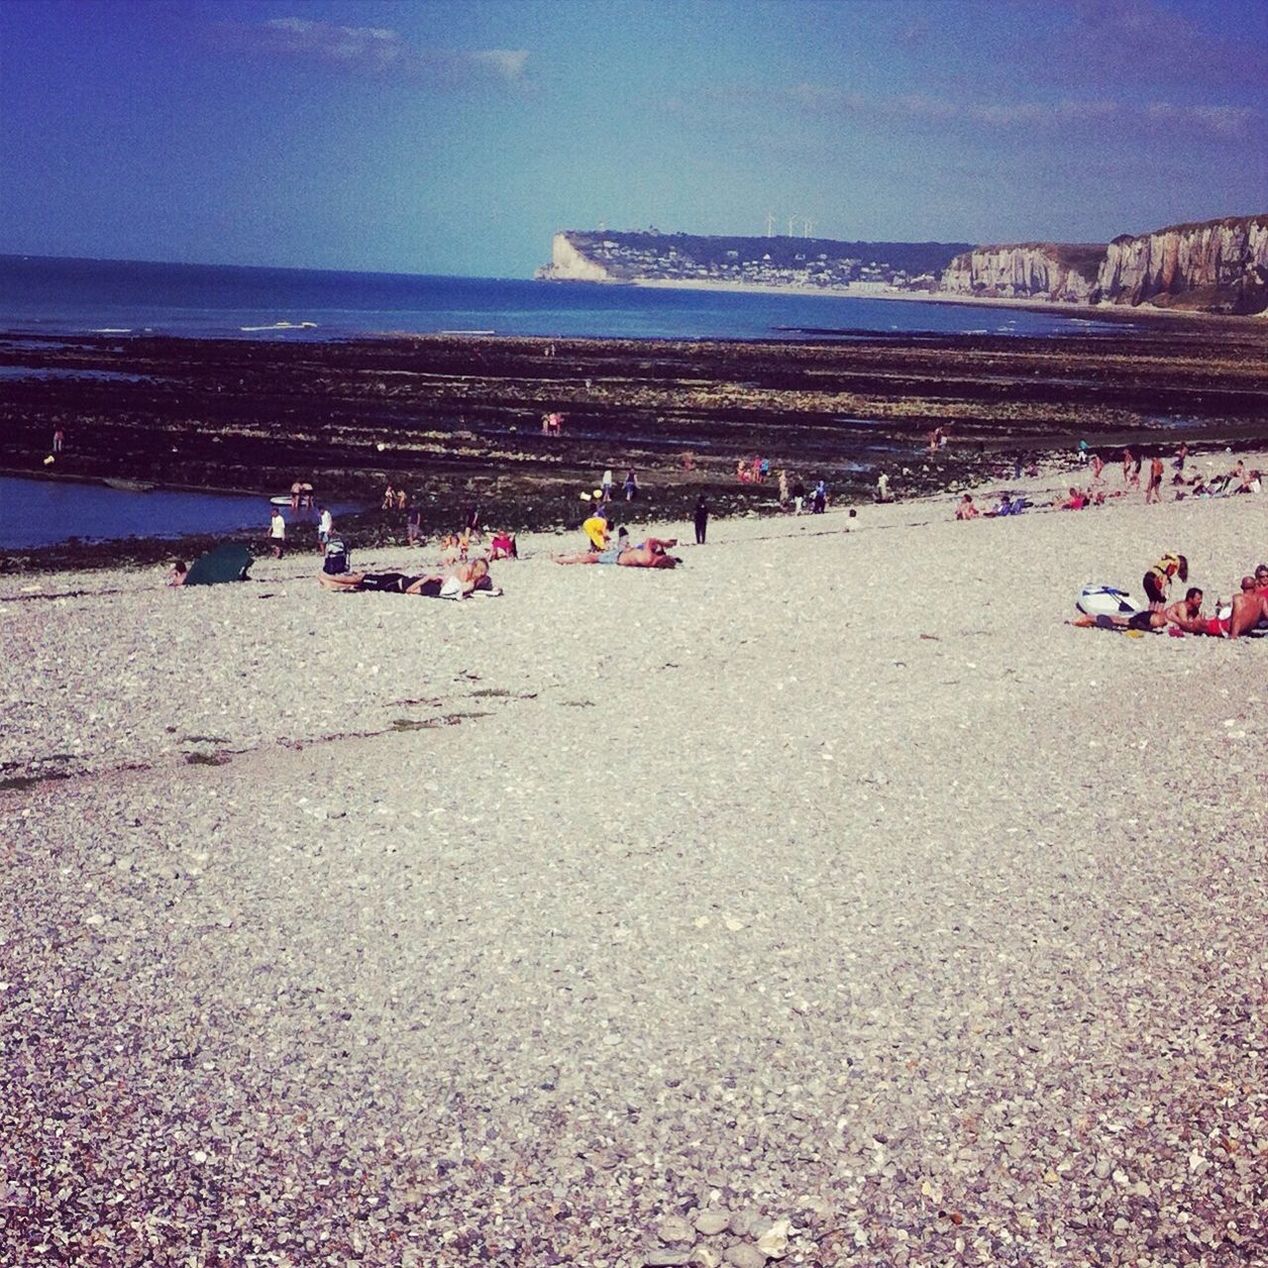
column 652, row 553
column 457, row 583
column 1185, row 614
column 1249, row 608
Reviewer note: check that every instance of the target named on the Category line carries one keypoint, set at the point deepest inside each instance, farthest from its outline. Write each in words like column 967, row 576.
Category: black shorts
column 393, row 582
column 1154, row 588
column 1140, row 621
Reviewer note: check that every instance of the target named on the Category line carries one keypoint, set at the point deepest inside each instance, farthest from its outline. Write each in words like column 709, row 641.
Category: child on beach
column 277, row 533
column 1157, row 580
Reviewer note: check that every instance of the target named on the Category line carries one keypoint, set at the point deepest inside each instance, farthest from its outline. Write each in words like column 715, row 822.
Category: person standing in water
column 701, row 519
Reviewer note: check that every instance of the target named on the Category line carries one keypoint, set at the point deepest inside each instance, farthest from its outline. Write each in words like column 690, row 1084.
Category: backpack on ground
column 336, row 560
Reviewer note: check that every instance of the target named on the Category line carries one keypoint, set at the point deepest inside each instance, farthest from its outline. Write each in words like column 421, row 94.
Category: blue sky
column 455, row 138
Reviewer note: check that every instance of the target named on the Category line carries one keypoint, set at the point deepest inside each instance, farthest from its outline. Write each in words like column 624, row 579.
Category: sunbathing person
column 503, row 546
column 178, row 574
column 652, row 553
column 1249, row 608
column 456, row 583
column 966, row 510
column 1186, row 614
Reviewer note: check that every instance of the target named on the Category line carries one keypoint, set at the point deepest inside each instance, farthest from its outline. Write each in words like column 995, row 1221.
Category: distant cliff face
column 567, row 264
column 1030, row 270
column 1217, row 266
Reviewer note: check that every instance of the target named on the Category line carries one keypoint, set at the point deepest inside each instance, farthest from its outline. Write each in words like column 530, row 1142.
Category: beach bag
column 336, row 560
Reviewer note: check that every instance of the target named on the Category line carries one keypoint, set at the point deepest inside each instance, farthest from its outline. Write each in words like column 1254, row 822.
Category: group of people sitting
column 1226, row 484
column 1247, row 613
column 1006, row 504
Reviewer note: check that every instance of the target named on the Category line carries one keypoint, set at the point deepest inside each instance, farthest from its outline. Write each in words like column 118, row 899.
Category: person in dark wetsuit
column 701, row 519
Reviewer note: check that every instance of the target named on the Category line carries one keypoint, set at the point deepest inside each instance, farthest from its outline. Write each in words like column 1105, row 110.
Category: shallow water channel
column 45, row 512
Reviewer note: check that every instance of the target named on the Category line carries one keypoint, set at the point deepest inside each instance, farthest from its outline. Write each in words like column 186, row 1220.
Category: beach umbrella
column 226, row 563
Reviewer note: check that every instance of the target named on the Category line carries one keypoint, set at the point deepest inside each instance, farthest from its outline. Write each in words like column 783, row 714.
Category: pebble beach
column 826, row 901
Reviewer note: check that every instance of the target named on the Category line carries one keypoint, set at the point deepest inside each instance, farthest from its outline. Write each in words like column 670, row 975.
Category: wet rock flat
column 825, row 901
column 458, row 419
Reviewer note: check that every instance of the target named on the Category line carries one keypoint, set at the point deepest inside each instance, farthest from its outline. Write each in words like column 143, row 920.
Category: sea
column 47, row 296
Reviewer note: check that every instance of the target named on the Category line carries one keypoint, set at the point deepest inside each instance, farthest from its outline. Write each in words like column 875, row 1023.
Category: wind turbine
column 770, row 224
column 810, row 224
column 791, row 222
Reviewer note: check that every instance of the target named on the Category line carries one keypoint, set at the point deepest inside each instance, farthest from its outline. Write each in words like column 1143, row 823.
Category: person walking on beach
column 59, row 440
column 277, row 532
column 1128, row 459
column 631, row 486
column 414, row 525
column 1153, row 492
column 325, row 525
column 798, row 496
column 820, row 497
column 701, row 519
column 783, row 488
column 605, row 485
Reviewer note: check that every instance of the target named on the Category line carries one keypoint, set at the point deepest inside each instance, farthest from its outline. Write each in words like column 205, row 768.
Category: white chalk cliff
column 567, row 264
column 1028, row 270
column 1218, row 266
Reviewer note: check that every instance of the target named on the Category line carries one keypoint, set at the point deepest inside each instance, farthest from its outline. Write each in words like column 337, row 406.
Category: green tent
column 226, row 563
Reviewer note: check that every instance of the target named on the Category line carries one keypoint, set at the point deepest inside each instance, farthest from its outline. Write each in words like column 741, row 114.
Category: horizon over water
column 50, row 295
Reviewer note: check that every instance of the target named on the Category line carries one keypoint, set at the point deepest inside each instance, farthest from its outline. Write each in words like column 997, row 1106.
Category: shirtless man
column 1249, row 608
column 652, row 553
column 1186, row 614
